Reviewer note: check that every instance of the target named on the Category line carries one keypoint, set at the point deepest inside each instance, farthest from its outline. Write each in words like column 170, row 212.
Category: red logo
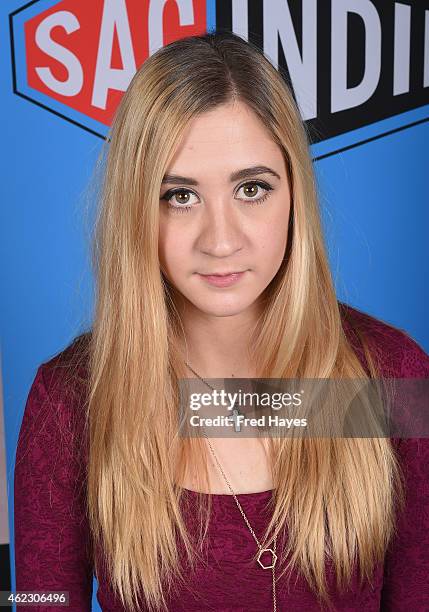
column 84, row 53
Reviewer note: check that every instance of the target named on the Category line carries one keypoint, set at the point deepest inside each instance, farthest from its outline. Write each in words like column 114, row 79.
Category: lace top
column 52, row 538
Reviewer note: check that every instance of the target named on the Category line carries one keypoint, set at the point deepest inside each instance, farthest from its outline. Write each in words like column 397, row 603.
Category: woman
column 208, row 173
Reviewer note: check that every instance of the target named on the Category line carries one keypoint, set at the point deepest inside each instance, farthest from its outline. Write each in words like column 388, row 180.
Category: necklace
column 271, row 551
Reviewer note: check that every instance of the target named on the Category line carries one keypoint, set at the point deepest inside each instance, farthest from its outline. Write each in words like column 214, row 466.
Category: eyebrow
column 235, row 176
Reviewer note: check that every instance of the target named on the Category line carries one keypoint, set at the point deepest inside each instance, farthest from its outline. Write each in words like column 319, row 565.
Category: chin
column 223, row 308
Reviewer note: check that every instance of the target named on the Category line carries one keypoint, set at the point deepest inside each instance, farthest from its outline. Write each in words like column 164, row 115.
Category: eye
column 182, row 202
column 252, row 189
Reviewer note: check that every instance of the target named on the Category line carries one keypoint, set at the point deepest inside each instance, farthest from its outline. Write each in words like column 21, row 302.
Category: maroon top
column 52, row 538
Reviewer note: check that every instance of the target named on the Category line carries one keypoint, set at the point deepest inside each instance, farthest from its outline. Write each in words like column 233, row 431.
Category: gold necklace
column 272, row 551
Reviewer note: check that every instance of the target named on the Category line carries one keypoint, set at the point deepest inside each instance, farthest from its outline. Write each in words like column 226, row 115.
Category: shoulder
column 66, row 373
column 54, row 414
column 396, row 353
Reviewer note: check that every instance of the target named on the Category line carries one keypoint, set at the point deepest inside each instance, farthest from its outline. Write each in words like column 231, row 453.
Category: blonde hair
column 334, row 494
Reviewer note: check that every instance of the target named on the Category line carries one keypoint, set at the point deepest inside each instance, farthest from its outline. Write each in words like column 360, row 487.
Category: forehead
column 224, row 133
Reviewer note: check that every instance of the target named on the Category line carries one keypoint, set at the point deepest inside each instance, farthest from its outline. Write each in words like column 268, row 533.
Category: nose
column 221, row 233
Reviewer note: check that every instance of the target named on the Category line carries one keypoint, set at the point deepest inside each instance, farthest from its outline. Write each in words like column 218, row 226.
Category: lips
column 223, row 273
column 223, row 280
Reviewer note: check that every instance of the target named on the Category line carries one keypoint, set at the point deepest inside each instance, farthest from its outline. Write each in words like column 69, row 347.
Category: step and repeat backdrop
column 360, row 75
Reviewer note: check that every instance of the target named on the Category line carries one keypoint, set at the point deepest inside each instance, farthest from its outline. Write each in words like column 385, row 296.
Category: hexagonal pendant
column 273, row 558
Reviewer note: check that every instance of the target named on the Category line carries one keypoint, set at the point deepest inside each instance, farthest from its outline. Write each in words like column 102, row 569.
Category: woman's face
column 224, row 207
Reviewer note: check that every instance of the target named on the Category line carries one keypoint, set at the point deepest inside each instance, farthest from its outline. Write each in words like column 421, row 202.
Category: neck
column 218, row 347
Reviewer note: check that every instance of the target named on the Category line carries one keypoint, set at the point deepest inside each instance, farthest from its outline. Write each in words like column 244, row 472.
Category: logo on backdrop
column 351, row 63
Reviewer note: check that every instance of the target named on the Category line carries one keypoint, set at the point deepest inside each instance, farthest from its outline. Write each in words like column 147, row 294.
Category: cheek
column 272, row 236
column 171, row 249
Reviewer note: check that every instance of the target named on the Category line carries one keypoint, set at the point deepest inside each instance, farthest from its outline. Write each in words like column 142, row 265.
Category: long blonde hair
column 336, row 495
